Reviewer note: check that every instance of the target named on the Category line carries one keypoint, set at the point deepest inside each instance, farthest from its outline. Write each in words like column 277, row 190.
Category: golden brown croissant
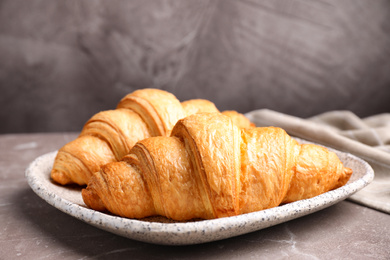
column 209, row 168
column 109, row 135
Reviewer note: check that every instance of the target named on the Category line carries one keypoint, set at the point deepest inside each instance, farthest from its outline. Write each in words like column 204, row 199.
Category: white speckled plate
column 69, row 200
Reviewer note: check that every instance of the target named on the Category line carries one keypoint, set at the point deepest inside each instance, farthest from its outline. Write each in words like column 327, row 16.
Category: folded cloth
column 367, row 138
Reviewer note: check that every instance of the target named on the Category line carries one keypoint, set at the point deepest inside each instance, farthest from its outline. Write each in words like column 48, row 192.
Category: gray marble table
column 32, row 229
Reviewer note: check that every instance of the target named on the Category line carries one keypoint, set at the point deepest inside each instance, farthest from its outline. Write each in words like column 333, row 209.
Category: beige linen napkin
column 367, row 138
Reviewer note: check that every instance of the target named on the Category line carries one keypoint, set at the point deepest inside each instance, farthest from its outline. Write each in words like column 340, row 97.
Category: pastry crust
column 109, row 135
column 239, row 119
column 76, row 161
column 210, row 168
column 159, row 109
column 194, row 106
column 119, row 128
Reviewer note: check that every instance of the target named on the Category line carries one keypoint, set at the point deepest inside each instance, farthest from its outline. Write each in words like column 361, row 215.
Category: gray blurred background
column 63, row 61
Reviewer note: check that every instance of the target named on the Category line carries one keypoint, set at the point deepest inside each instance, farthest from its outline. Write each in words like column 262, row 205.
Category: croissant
column 210, row 168
column 109, row 135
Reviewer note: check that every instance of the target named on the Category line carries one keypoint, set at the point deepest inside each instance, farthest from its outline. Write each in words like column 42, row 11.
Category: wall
column 63, row 61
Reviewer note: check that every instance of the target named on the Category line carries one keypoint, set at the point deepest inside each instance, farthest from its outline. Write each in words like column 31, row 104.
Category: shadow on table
column 71, row 237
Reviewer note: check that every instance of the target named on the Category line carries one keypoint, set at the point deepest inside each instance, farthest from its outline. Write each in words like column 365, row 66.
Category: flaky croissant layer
column 109, row 135
column 209, row 168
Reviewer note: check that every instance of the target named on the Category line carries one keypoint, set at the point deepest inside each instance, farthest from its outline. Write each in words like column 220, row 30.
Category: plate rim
column 180, row 233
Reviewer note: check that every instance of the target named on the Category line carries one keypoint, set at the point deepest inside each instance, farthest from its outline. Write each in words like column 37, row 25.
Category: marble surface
column 32, row 229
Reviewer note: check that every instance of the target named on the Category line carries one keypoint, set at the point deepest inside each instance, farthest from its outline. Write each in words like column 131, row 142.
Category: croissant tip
column 92, row 199
column 345, row 177
column 60, row 177
column 348, row 171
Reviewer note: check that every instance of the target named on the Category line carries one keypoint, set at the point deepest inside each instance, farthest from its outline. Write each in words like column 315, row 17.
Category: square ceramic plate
column 158, row 231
